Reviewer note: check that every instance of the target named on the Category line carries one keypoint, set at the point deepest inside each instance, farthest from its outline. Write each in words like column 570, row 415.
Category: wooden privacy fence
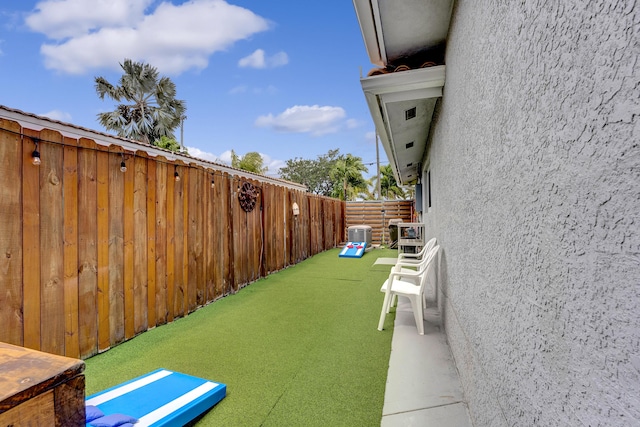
column 93, row 256
column 370, row 212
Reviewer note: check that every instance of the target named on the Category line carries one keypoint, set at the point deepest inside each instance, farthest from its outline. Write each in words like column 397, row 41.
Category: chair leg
column 392, row 302
column 416, row 305
column 383, row 313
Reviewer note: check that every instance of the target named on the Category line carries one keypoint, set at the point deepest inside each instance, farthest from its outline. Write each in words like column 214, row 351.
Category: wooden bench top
column 25, row 373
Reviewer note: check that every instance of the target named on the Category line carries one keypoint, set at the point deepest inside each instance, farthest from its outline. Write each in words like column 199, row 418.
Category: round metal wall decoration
column 248, row 195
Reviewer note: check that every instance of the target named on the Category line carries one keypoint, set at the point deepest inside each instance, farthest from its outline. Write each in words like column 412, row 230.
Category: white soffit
column 393, row 29
column 390, row 98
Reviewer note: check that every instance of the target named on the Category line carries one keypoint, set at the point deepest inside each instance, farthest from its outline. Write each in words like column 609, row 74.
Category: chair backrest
column 421, row 253
column 430, row 258
column 430, row 245
column 422, row 263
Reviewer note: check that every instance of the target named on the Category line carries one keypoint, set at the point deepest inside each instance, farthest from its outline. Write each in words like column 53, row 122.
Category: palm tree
column 388, row 184
column 348, row 171
column 148, row 109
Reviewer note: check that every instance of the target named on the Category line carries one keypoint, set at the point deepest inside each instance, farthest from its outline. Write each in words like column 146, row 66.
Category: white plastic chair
column 412, row 263
column 417, row 257
column 408, row 284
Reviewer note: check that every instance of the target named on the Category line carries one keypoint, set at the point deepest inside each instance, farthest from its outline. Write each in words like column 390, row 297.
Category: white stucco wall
column 535, row 167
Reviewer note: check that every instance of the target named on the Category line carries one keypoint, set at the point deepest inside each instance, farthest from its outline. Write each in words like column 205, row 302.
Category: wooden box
column 40, row 389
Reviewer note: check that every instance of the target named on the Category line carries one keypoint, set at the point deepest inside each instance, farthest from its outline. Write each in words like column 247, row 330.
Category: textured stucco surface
column 535, row 168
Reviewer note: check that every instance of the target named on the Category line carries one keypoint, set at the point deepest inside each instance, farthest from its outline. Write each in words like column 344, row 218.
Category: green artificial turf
column 297, row 348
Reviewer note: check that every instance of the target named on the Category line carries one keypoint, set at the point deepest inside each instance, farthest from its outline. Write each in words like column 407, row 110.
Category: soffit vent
column 410, row 113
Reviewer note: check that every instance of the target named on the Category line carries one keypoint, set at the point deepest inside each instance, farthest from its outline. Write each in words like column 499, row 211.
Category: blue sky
column 277, row 77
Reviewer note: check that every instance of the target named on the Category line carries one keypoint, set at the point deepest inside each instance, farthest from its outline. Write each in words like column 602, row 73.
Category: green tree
column 388, row 184
column 147, row 109
column 347, row 177
column 251, row 162
column 315, row 174
column 168, row 143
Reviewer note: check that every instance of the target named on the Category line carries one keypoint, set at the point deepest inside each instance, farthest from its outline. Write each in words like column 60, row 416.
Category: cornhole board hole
column 160, row 398
column 353, row 250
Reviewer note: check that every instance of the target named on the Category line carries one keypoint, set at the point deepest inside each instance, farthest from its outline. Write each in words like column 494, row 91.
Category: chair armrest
column 405, row 255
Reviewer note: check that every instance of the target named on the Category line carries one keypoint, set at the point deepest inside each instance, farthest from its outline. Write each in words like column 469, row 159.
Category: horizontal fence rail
column 377, row 214
column 94, row 256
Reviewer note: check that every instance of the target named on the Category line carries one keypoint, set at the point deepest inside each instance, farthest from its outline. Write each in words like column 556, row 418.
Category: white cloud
column 59, row 115
column 314, row 120
column 204, row 155
column 225, row 157
column 71, row 18
column 171, row 38
column 258, row 60
column 273, row 165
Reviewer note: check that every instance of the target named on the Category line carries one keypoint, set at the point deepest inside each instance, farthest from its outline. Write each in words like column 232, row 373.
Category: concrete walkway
column 423, row 388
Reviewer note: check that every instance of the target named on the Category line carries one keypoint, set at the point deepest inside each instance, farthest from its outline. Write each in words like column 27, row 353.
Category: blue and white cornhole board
column 353, row 250
column 160, row 398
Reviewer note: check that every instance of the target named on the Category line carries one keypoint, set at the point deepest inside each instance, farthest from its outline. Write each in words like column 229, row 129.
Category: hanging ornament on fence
column 247, row 196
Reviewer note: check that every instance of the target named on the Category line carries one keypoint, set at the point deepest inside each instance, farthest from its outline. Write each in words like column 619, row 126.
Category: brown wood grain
column 68, row 401
column 161, row 243
column 51, row 243
column 184, row 262
column 193, row 246
column 151, row 243
column 128, row 255
column 201, row 284
column 209, row 251
column 27, row 373
column 140, row 252
column 38, row 411
column 179, row 296
column 71, row 292
column 11, row 317
column 116, row 249
column 86, row 264
column 102, row 223
column 32, row 291
column 171, row 238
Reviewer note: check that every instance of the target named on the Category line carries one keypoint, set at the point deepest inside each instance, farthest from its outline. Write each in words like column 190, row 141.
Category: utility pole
column 378, row 166
column 182, row 119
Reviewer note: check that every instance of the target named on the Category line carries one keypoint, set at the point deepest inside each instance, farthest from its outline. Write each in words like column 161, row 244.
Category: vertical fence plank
column 229, row 256
column 184, row 262
column 201, row 195
column 70, row 257
column 140, row 267
column 51, row 243
column 103, row 248
column 179, row 238
column 116, row 249
column 86, row 265
column 128, row 232
column 208, row 242
column 193, row 246
column 11, row 313
column 32, row 293
column 161, row 243
column 220, row 231
column 151, row 243
column 171, row 238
